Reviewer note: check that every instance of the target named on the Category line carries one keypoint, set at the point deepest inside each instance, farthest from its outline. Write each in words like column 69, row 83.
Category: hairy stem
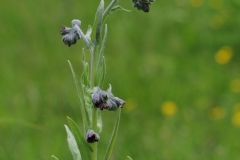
column 108, row 9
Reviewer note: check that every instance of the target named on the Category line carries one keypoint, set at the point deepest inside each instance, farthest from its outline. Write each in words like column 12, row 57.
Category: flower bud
column 142, row 4
column 70, row 35
column 106, row 100
column 92, row 136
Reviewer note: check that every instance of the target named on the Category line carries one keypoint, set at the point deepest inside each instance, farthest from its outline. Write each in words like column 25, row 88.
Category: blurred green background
column 177, row 67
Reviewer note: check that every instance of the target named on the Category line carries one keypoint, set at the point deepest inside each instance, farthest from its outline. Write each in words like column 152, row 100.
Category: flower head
column 92, row 137
column 71, row 35
column 106, row 100
column 142, row 4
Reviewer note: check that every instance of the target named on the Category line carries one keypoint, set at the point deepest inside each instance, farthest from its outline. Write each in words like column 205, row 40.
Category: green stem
column 92, row 84
column 93, row 69
column 94, row 154
column 108, row 9
column 94, row 113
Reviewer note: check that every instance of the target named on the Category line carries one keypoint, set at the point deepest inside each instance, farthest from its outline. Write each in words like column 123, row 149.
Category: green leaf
column 103, row 73
column 83, row 145
column 98, row 21
column 85, row 84
column 129, row 158
column 87, row 38
column 73, row 145
column 55, row 158
column 109, row 90
column 101, row 66
column 113, row 137
column 101, row 53
column 81, row 100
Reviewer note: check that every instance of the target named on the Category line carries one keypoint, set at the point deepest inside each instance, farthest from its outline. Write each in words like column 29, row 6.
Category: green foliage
column 113, row 137
column 72, row 143
column 80, row 139
column 167, row 54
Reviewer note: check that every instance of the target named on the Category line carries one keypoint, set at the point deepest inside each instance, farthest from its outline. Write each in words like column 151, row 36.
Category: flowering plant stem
column 91, row 97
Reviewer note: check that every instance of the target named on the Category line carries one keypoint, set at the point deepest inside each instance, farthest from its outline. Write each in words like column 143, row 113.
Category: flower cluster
column 92, row 137
column 71, row 35
column 142, row 4
column 106, row 100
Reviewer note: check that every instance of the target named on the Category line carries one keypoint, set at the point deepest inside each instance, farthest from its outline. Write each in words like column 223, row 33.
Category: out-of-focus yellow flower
column 235, row 86
column 216, row 113
column 236, row 119
column 168, row 108
column 224, row 55
column 236, row 107
column 216, row 21
column 130, row 105
column 215, row 4
column 196, row 3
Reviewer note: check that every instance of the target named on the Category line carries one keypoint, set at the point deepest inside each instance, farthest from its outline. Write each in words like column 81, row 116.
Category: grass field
column 177, row 67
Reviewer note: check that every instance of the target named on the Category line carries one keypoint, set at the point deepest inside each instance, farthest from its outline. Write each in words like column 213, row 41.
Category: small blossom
column 106, row 100
column 142, row 4
column 92, row 136
column 71, row 35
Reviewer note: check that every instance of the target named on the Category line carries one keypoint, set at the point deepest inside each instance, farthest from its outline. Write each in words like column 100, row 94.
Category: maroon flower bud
column 142, row 4
column 70, row 35
column 92, row 137
column 106, row 100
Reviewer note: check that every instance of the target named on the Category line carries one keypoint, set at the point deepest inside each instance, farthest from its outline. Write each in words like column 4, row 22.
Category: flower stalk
column 93, row 100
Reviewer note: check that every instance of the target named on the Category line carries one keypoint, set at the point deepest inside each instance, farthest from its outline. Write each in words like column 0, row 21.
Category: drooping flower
column 92, row 136
column 106, row 100
column 71, row 35
column 142, row 4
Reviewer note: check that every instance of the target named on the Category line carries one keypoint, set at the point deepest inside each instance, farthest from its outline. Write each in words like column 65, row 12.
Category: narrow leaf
column 109, row 90
column 113, row 137
column 73, row 145
column 83, row 145
column 98, row 21
column 103, row 72
column 101, row 53
column 129, row 158
column 55, row 158
column 85, row 84
column 81, row 100
column 101, row 66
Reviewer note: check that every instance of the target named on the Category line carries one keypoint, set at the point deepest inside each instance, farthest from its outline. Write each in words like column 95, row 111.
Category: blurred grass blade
column 83, row 145
column 55, row 158
column 129, row 158
column 73, row 145
column 81, row 100
column 113, row 137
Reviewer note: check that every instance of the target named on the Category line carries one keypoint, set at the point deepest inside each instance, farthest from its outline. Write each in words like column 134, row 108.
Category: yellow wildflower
column 216, row 113
column 235, row 86
column 168, row 108
column 236, row 119
column 224, row 55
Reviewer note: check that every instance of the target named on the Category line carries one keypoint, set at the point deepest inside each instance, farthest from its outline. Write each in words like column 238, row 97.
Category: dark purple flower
column 106, row 100
column 142, row 4
column 70, row 35
column 92, row 136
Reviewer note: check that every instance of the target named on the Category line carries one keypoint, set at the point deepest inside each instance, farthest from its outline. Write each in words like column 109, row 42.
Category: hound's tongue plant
column 92, row 97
